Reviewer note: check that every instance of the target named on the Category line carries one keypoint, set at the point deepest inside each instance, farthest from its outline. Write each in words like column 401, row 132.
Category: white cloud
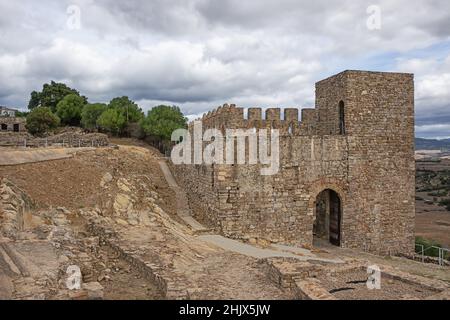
column 432, row 93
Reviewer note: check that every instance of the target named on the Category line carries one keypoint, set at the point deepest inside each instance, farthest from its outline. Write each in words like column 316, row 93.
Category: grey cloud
column 200, row 53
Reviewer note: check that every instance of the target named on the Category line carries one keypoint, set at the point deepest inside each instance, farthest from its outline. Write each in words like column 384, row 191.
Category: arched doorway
column 328, row 214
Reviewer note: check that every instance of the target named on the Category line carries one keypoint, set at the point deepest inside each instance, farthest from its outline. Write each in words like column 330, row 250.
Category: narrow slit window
column 341, row 117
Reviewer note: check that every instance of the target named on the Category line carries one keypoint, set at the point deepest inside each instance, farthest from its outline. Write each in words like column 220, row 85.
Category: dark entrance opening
column 327, row 224
column 16, row 127
column 4, row 127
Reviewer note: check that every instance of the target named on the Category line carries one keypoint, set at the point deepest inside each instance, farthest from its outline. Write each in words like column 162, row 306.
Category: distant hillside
column 432, row 144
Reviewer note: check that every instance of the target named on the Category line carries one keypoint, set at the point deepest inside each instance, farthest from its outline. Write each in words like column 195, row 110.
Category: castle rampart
column 346, row 169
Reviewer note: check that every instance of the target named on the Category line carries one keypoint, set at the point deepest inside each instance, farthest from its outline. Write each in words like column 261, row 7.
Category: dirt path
column 183, row 209
column 10, row 157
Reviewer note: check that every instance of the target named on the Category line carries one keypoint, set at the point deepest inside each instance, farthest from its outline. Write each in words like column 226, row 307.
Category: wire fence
column 47, row 143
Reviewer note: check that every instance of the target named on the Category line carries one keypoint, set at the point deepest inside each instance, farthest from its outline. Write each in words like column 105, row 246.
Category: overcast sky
column 199, row 54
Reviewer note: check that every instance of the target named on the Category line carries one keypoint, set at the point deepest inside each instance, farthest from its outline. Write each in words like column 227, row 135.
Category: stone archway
column 328, row 217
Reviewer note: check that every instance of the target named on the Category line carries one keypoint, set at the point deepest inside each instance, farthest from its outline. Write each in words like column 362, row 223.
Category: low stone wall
column 14, row 139
column 149, row 270
column 303, row 278
column 426, row 259
column 69, row 139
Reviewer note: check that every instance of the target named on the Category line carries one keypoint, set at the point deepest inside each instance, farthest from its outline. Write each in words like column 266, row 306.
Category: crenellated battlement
column 229, row 116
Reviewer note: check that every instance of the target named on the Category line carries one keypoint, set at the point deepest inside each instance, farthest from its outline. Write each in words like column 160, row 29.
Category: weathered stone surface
column 122, row 203
column 12, row 124
column 107, row 178
column 15, row 209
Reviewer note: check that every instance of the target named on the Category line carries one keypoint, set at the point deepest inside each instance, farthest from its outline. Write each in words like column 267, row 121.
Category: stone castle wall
column 370, row 166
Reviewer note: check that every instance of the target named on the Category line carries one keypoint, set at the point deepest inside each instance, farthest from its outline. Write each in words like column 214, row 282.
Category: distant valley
column 432, row 144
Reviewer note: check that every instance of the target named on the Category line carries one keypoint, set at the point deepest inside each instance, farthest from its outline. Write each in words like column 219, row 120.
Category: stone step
column 17, row 259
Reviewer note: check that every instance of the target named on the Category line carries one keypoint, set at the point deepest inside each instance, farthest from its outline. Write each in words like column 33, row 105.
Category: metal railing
column 442, row 253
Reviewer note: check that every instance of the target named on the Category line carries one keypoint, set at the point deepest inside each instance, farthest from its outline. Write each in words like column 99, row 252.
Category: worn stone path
column 183, row 209
column 274, row 251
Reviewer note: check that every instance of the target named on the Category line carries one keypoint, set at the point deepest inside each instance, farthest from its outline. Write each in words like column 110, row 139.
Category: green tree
column 162, row 120
column 112, row 121
column 51, row 95
column 41, row 121
column 22, row 114
column 128, row 108
column 90, row 114
column 69, row 109
column 35, row 100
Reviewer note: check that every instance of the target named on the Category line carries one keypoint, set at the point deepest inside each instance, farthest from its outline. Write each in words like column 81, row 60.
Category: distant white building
column 7, row 112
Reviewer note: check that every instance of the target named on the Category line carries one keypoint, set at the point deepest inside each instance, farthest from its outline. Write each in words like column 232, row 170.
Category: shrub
column 112, row 121
column 41, row 120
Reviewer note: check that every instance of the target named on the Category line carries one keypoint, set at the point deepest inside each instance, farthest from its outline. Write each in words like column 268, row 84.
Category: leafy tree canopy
column 162, row 120
column 41, row 120
column 51, row 95
column 22, row 114
column 69, row 109
column 128, row 108
column 112, row 121
column 91, row 113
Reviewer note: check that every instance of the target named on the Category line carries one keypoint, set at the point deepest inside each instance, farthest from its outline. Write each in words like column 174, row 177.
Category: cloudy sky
column 199, row 54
